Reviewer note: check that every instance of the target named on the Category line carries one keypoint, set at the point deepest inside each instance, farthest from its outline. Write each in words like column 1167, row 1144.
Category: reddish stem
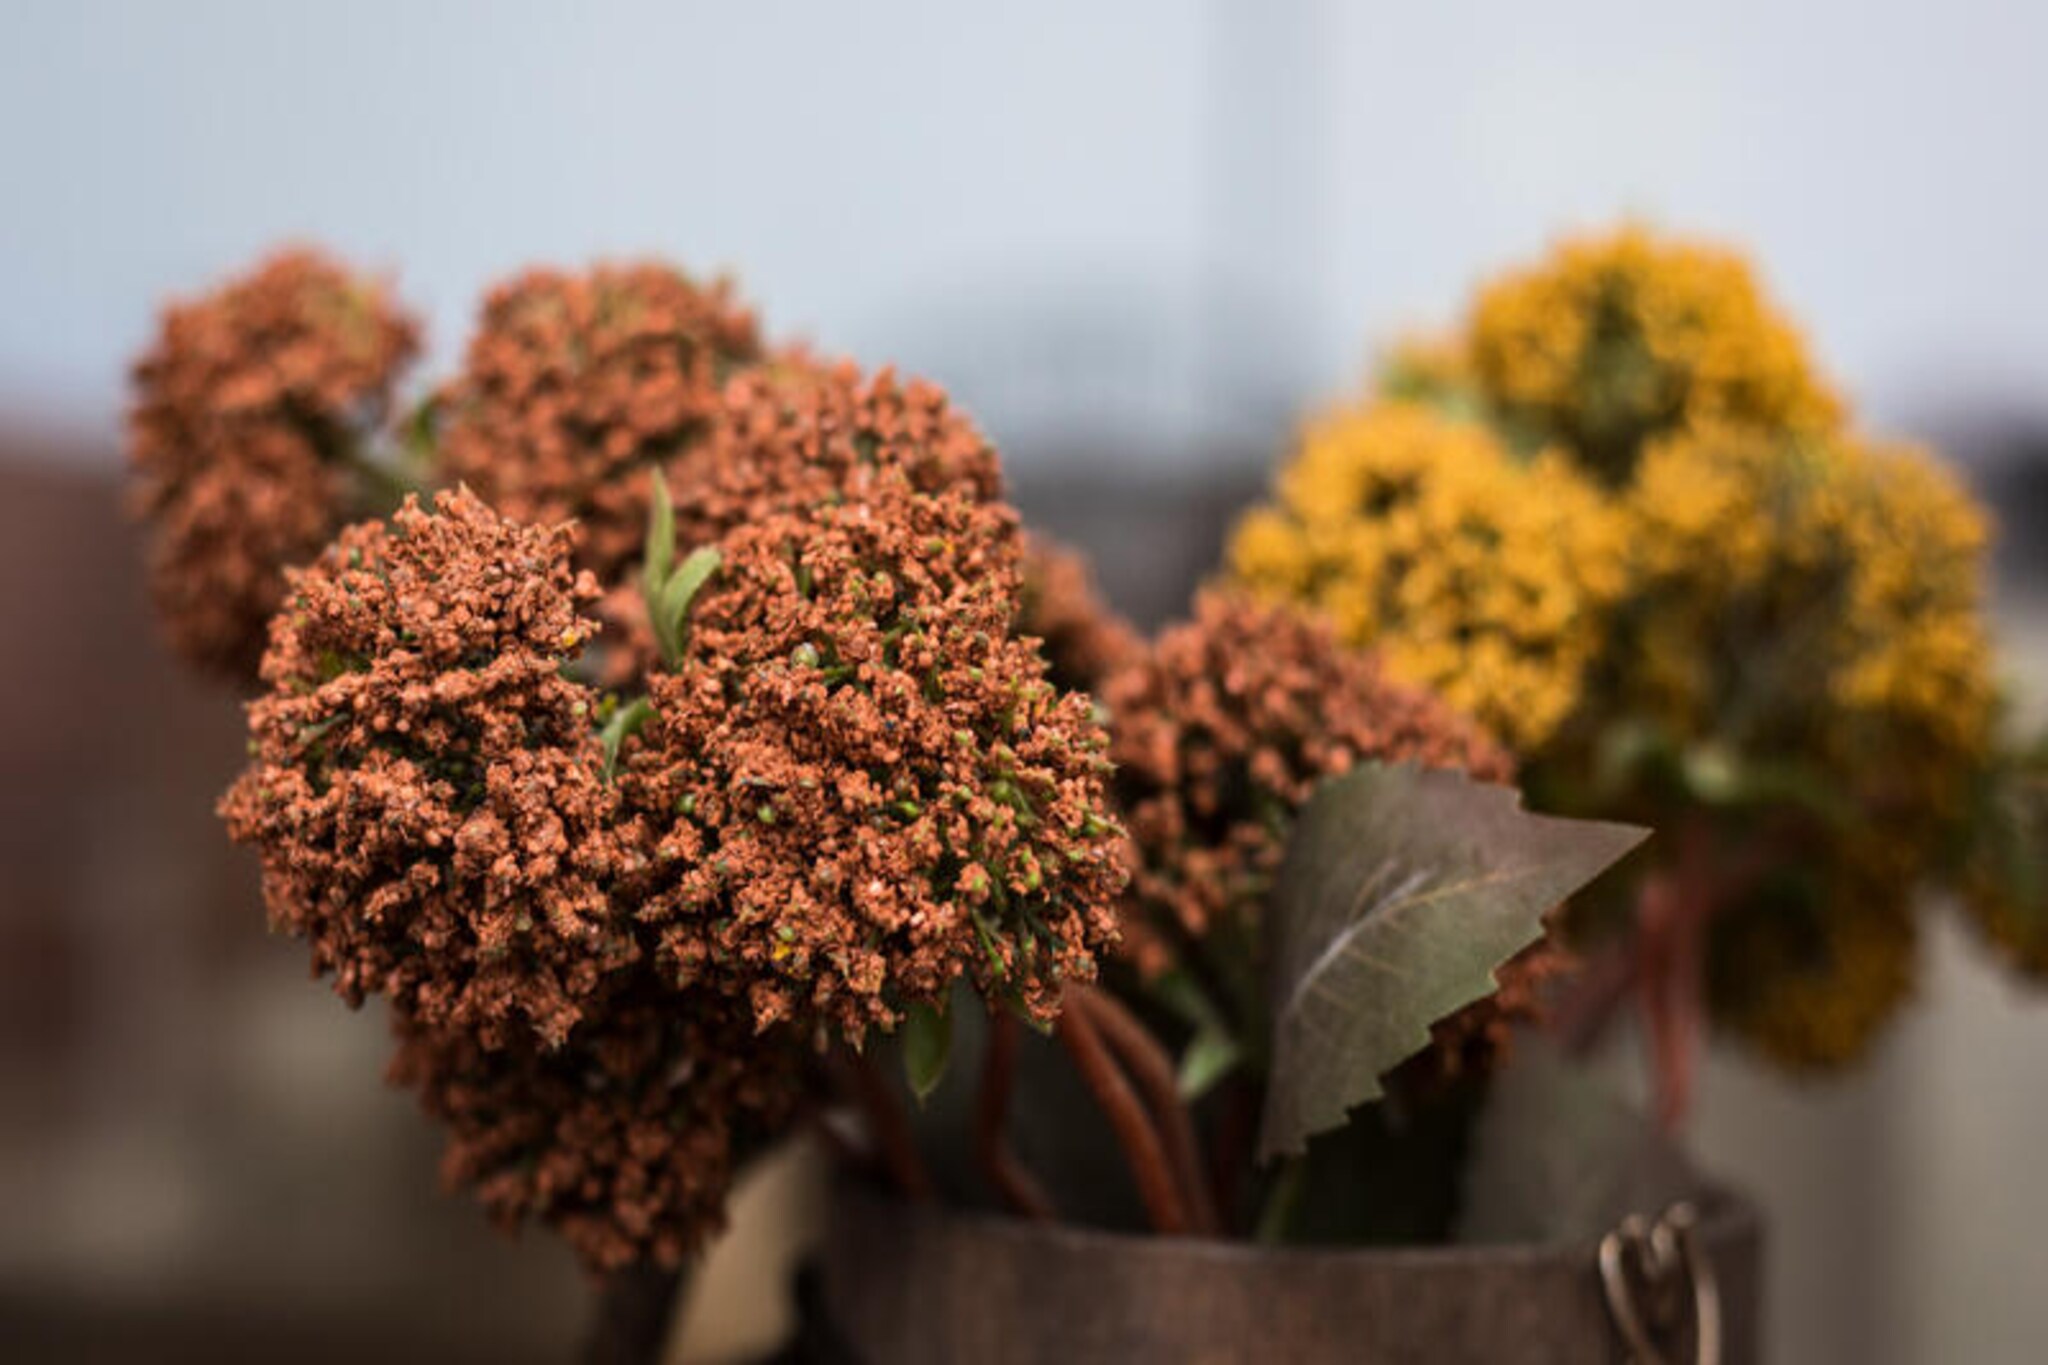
column 1134, row 1128
column 635, row 1308
column 1604, row 983
column 888, row 1128
column 1231, row 1157
column 1153, row 1071
column 1020, row 1190
column 1671, row 922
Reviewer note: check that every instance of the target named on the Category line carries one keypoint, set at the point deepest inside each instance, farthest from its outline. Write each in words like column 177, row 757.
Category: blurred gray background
column 1135, row 239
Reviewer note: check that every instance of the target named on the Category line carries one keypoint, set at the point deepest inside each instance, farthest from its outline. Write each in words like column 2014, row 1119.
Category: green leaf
column 1402, row 891
column 1214, row 1049
column 1716, row 776
column 625, row 721
column 1211, row 1055
column 672, row 612
column 927, row 1048
column 661, row 539
column 1629, row 753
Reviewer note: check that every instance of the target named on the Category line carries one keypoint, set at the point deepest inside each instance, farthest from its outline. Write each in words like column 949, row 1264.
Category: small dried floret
column 1614, row 339
column 626, row 1138
column 576, row 385
column 1223, row 729
column 866, row 786
column 426, row 787
column 247, row 411
column 1083, row 640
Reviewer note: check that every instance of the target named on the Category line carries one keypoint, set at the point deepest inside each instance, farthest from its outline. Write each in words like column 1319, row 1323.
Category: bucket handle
column 1645, row 1266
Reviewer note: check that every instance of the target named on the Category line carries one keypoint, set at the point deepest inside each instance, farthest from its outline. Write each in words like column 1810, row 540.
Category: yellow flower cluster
column 1480, row 576
column 1811, row 986
column 1817, row 597
column 1621, row 494
column 1616, row 338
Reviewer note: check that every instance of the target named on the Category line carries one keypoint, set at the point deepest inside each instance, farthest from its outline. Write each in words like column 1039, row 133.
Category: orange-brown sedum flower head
column 788, row 434
column 1223, row 729
column 1221, row 732
column 246, row 409
column 576, row 384
column 626, row 1139
column 426, row 788
column 1083, row 640
column 868, row 787
column 796, row 432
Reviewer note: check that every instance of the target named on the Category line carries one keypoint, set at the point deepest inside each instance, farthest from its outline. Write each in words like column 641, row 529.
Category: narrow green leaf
column 672, row 612
column 1211, row 1055
column 1715, row 776
column 1282, row 1199
column 661, row 539
column 1180, row 993
column 1402, row 891
column 927, row 1048
column 626, row 721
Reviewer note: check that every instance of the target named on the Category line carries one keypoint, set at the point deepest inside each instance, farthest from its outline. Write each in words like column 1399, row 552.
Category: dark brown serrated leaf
column 1403, row 890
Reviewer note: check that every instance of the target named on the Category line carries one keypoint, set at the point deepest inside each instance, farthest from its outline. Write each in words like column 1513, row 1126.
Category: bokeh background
column 1135, row 239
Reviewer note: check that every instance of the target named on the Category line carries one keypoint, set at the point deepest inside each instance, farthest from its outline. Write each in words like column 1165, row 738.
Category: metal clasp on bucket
column 1645, row 1269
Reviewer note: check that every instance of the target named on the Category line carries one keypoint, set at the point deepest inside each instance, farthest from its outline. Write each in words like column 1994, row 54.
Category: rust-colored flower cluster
column 1082, row 638
column 791, row 433
column 870, row 788
column 836, row 757
column 427, row 788
column 1223, row 729
column 428, row 793
column 797, row 432
column 250, row 409
column 576, row 386
column 626, row 1139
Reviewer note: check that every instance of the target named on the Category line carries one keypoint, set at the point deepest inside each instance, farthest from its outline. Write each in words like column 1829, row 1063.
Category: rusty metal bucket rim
column 1726, row 1216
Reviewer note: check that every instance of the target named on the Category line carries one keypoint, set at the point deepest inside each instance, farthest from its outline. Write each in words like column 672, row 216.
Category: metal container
column 923, row 1285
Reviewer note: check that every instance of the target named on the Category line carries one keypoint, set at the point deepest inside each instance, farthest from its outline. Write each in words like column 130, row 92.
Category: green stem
column 1283, row 1197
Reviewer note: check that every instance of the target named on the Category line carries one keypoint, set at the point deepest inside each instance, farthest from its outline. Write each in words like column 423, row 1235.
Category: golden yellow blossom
column 1615, row 338
column 1475, row 574
column 1809, row 978
column 1621, row 504
column 1818, row 600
